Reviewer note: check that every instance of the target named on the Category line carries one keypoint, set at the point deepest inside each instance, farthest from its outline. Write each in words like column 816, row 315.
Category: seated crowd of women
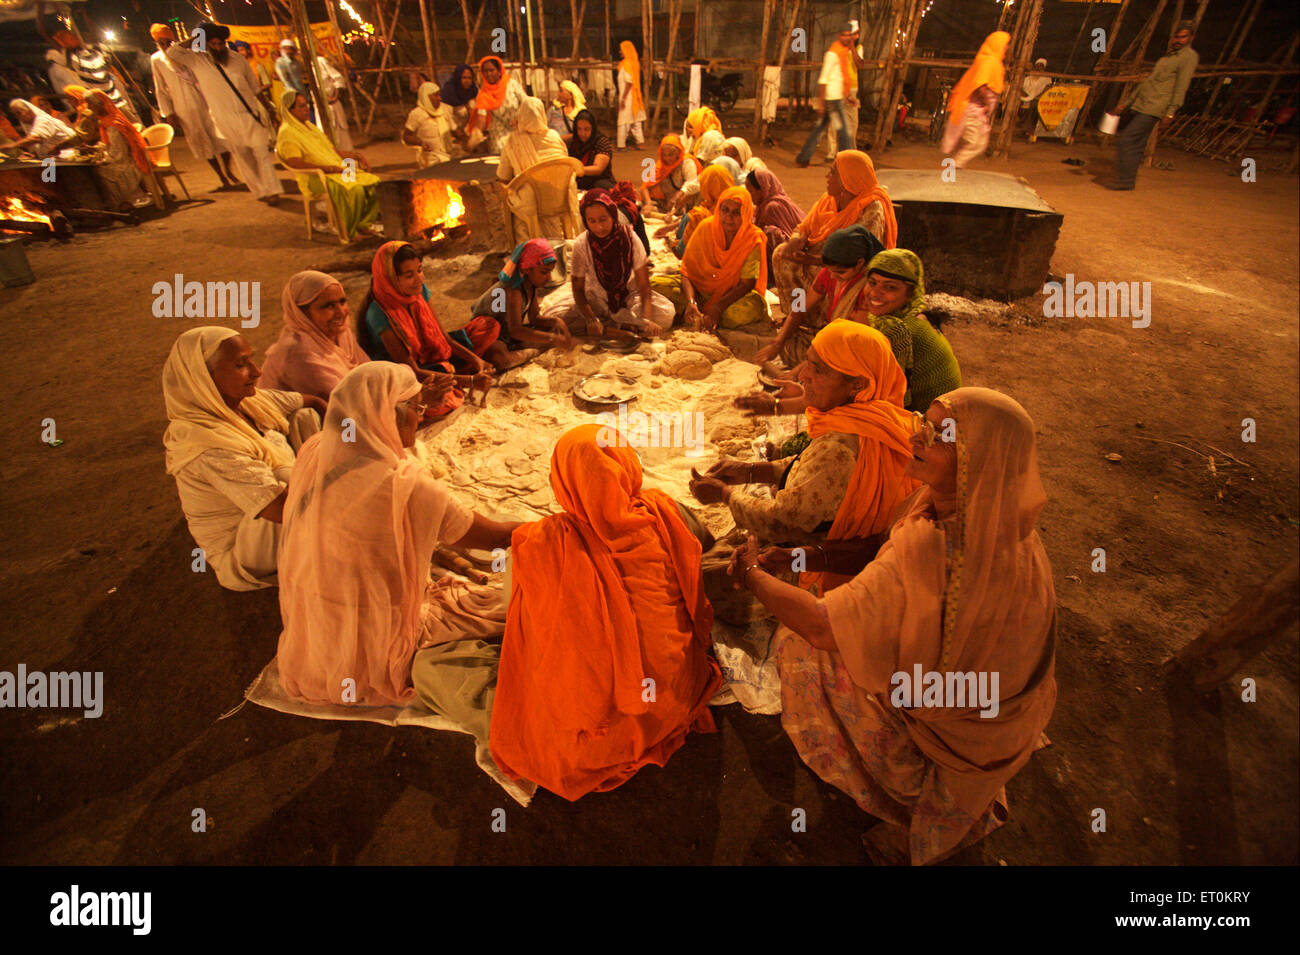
column 898, row 533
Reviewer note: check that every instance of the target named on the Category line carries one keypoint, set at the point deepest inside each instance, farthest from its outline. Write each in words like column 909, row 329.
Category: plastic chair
column 308, row 196
column 547, row 190
column 158, row 138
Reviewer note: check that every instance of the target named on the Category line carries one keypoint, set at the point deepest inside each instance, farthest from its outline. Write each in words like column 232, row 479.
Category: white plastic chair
column 547, row 190
column 308, row 196
column 158, row 138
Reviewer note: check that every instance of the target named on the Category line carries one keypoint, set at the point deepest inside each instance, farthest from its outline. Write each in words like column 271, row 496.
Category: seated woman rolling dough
column 512, row 300
column 963, row 585
column 604, row 263
column 396, row 323
column 852, row 197
column 300, row 145
column 848, row 480
column 607, row 599
column 842, row 283
column 713, row 182
column 230, row 448
column 673, row 169
column 361, row 522
column 724, row 272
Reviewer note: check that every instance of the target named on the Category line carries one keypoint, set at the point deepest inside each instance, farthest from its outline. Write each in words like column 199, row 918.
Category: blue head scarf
column 452, row 94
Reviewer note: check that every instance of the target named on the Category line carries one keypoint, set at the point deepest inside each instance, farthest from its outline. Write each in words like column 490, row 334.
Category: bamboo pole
column 895, row 73
column 647, row 61
column 1143, row 39
column 428, row 37
column 762, row 70
column 1243, row 139
column 609, row 48
column 1103, row 61
column 331, row 8
column 1083, row 28
column 1236, row 47
column 383, row 63
column 516, row 32
column 1032, row 16
column 675, row 19
column 785, row 48
column 541, row 23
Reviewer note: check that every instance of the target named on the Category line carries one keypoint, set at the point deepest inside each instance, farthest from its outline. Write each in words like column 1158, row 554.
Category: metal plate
column 606, row 390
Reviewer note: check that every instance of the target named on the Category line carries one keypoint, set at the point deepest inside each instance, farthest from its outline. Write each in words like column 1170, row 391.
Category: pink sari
column 361, row 523
column 304, row 358
column 972, row 593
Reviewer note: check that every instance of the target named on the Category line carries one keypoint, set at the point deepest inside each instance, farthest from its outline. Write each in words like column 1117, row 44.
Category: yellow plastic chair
column 545, row 192
column 158, row 138
column 308, row 197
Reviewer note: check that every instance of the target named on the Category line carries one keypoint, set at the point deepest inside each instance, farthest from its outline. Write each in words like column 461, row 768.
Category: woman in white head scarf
column 230, row 447
column 531, row 142
column 43, row 134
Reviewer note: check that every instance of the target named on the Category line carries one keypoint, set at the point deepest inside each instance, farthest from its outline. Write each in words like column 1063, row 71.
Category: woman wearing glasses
column 962, row 589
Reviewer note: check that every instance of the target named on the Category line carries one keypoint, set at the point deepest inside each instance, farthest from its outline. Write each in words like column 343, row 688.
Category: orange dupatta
column 848, row 67
column 859, row 177
column 605, row 665
column 490, row 95
column 664, row 170
column 712, row 265
column 714, row 181
column 987, row 71
column 701, row 121
column 884, row 429
column 134, row 141
column 631, row 65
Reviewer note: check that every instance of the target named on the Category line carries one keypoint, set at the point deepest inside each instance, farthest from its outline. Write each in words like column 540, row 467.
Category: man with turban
column 183, row 108
column 229, row 87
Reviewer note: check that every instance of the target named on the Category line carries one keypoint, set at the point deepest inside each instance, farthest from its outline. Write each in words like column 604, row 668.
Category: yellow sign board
column 1057, row 101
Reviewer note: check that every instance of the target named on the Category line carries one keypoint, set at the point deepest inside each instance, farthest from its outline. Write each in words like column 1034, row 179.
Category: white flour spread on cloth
column 496, row 459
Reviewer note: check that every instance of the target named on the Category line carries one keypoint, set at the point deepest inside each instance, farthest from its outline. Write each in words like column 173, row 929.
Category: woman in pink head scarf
column 361, row 521
column 962, row 590
column 317, row 346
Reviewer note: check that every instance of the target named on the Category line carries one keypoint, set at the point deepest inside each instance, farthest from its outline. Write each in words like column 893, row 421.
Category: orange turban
column 161, row 31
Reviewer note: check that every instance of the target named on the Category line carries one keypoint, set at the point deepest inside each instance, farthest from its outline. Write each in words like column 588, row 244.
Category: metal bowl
column 605, row 391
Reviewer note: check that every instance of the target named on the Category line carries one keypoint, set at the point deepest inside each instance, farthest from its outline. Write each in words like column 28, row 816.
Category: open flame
column 14, row 209
column 455, row 209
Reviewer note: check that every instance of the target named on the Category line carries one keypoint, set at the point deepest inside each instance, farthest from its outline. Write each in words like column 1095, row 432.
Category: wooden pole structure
column 383, row 64
column 1143, row 39
column 331, row 8
column 428, row 37
column 1027, row 31
column 785, row 45
column 516, row 33
column 307, row 44
column 1236, row 46
column 895, row 73
column 762, row 70
column 1262, row 615
column 675, row 19
column 1099, row 68
column 1242, row 140
column 1083, row 28
column 879, row 131
column 579, row 18
column 541, row 23
column 647, row 56
column 609, row 48
column 1002, row 15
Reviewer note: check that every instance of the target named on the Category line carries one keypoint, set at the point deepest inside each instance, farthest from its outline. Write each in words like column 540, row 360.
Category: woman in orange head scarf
column 724, row 271
column 631, row 104
column 605, row 665
column 127, row 167
column 673, row 168
column 497, row 103
column 698, row 122
column 973, row 100
column 853, row 196
column 714, row 181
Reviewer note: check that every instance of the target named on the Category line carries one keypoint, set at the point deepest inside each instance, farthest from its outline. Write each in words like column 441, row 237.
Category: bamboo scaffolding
column 762, row 70
column 675, row 19
column 307, row 44
column 428, row 37
column 383, row 62
column 1026, row 35
column 895, row 73
column 331, row 7
column 541, row 23
column 471, row 34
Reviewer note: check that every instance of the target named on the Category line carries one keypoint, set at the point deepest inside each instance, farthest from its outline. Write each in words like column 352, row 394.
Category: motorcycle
column 717, row 92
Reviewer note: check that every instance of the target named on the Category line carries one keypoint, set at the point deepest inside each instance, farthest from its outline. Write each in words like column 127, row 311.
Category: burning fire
column 13, row 208
column 455, row 209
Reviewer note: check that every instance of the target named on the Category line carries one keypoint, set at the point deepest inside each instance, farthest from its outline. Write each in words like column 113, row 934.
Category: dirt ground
column 95, row 570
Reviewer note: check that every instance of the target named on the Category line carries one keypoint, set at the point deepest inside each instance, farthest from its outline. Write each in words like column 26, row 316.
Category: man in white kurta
column 229, row 86
column 332, row 86
column 183, row 108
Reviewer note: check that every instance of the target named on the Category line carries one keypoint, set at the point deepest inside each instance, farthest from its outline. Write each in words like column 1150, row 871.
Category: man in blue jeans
column 1154, row 102
column 831, row 90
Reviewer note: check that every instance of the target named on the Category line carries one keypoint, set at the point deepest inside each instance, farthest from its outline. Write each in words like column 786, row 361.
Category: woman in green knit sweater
column 894, row 297
column 896, row 302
